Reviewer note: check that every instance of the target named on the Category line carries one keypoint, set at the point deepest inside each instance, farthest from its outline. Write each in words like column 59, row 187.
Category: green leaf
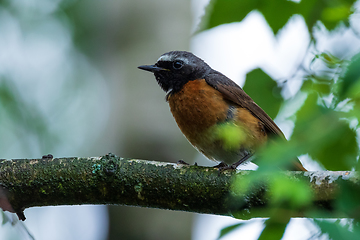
column 271, row 10
column 348, row 199
column 230, row 135
column 336, row 231
column 229, row 229
column 227, row 11
column 274, row 228
column 351, row 80
column 264, row 91
column 287, row 192
column 312, row 84
column 5, row 218
column 339, row 150
column 323, row 134
column 335, row 12
column 278, row 12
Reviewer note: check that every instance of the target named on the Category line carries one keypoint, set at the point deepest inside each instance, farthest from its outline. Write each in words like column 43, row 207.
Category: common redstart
column 203, row 100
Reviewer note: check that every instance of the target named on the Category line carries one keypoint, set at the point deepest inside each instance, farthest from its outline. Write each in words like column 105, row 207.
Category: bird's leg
column 236, row 164
column 242, row 160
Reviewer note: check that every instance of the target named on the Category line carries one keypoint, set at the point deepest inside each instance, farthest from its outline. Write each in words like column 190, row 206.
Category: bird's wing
column 232, row 92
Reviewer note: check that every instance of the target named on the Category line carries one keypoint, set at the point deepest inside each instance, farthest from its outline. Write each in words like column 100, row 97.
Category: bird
column 204, row 102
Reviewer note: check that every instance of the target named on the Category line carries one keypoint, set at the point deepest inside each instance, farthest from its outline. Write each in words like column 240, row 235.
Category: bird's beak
column 151, row 68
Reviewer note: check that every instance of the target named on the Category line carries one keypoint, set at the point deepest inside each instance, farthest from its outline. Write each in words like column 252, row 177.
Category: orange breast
column 198, row 109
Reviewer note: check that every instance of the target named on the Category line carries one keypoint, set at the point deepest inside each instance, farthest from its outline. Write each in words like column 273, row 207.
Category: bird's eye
column 177, row 64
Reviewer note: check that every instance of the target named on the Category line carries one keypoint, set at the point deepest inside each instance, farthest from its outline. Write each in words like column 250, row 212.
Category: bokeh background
column 69, row 86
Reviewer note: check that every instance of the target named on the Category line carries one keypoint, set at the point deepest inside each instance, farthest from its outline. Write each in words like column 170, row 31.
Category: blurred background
column 69, row 86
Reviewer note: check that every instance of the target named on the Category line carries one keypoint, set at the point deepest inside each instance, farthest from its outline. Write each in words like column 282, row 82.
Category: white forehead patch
column 167, row 58
column 171, row 57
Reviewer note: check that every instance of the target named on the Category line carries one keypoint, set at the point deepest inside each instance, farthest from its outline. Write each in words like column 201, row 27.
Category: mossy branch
column 113, row 180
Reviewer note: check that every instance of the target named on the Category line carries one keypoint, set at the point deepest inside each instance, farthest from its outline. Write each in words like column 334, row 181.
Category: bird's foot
column 182, row 162
column 185, row 163
column 221, row 165
column 48, row 156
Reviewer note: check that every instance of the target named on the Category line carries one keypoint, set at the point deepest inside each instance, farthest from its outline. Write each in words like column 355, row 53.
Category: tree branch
column 113, row 180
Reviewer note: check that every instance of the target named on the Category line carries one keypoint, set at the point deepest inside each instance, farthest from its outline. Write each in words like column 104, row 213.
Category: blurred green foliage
column 69, row 87
column 338, row 231
column 326, row 124
column 351, row 82
column 230, row 135
column 229, row 229
column 325, row 135
column 274, row 227
column 23, row 118
column 264, row 91
column 278, row 12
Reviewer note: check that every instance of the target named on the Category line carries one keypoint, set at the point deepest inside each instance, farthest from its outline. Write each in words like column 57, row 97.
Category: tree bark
column 112, row 180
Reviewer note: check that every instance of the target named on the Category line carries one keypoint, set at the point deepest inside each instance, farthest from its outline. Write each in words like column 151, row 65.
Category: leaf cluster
column 326, row 122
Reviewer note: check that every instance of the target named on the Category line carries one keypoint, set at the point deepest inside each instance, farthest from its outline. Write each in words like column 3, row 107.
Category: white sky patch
column 236, row 48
